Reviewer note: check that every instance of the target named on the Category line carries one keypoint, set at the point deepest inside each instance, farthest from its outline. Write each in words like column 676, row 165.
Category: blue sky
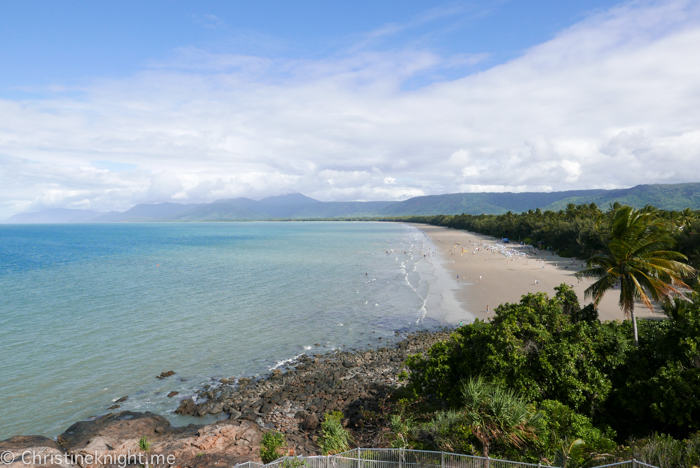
column 69, row 43
column 107, row 104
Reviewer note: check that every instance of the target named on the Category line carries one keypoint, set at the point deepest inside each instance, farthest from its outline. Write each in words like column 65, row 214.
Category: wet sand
column 486, row 277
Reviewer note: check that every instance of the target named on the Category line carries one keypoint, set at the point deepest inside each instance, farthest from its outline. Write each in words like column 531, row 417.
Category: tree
column 638, row 258
column 496, row 414
column 543, row 348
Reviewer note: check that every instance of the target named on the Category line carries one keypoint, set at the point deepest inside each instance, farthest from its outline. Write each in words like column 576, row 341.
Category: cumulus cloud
column 610, row 102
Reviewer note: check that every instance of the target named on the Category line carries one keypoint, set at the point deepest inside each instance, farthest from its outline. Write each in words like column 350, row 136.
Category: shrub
column 562, row 427
column 533, row 347
column 144, row 444
column 294, row 462
column 334, row 437
column 666, row 452
column 447, row 432
column 269, row 446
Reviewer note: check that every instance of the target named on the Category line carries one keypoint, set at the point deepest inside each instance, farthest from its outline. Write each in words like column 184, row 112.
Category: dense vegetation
column 590, row 391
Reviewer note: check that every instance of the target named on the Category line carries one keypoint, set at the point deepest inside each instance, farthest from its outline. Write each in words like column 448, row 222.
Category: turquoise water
column 91, row 313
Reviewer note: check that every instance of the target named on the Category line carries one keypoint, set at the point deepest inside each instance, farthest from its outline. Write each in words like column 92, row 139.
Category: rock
column 217, row 408
column 249, row 416
column 190, row 446
column 114, row 407
column 349, row 381
column 122, row 399
column 187, row 407
column 26, row 451
column 204, row 408
column 165, row 374
column 173, row 393
column 109, row 428
column 310, row 422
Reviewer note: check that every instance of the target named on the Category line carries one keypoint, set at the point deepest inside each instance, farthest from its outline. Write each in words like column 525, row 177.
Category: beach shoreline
column 488, row 273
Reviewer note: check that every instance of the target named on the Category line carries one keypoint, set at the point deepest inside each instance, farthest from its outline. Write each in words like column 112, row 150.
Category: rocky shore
column 291, row 400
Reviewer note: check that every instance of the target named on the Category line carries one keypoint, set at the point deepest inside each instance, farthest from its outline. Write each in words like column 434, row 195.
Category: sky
column 104, row 105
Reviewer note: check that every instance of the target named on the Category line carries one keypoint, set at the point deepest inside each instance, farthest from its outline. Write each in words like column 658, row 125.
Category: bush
column 447, row 432
column 144, row 444
column 334, row 437
column 664, row 451
column 543, row 348
column 402, row 430
column 269, row 446
column 561, row 426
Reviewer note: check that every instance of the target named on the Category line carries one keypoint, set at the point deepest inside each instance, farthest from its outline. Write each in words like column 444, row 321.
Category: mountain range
column 298, row 206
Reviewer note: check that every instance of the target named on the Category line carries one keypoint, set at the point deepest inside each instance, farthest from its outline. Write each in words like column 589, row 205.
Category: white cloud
column 611, row 102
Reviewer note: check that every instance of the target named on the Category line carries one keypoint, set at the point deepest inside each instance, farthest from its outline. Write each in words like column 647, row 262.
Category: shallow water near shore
column 91, row 313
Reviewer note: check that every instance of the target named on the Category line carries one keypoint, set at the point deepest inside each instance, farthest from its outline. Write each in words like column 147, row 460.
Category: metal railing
column 404, row 458
column 631, row 463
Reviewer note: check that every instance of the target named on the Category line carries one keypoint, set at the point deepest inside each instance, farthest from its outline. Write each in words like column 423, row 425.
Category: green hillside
column 666, row 197
column 482, row 203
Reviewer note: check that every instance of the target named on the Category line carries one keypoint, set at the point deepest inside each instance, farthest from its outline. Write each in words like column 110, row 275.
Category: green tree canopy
column 532, row 347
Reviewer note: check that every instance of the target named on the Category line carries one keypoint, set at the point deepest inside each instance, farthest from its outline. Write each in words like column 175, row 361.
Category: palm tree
column 638, row 259
column 494, row 413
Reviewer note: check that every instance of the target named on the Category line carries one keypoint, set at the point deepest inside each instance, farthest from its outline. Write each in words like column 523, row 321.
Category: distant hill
column 482, row 203
column 54, row 215
column 298, row 206
column 150, row 212
column 667, row 197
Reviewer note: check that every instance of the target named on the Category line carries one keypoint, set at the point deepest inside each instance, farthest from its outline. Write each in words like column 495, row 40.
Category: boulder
column 165, row 374
column 37, row 451
column 118, row 435
column 310, row 423
column 187, row 407
column 108, row 430
column 217, row 408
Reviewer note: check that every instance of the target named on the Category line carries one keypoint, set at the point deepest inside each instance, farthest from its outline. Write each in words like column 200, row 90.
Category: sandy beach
column 489, row 273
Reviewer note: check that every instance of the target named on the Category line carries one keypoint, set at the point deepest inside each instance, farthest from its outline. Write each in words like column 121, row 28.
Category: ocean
column 91, row 313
